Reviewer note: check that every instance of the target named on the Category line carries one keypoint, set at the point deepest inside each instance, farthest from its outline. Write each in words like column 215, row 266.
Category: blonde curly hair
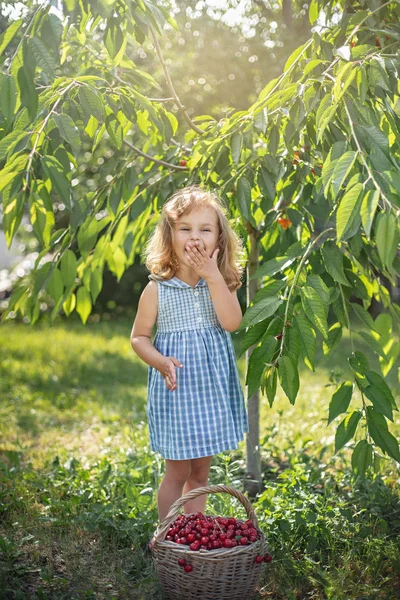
column 159, row 256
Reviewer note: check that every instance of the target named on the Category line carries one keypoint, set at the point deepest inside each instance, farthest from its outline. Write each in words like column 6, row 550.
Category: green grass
column 78, row 481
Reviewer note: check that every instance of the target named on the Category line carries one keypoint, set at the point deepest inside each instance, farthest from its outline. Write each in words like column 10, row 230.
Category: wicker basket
column 221, row 574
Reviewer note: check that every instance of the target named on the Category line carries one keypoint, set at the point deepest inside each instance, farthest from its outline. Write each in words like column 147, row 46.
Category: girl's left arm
column 225, row 302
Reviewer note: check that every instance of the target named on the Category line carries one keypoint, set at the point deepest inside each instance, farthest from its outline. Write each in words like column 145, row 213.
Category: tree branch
column 155, row 160
column 182, row 109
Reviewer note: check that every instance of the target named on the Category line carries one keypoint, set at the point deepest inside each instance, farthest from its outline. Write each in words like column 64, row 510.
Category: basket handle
column 214, row 489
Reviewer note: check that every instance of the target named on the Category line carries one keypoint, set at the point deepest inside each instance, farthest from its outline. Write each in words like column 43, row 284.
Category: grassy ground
column 78, row 481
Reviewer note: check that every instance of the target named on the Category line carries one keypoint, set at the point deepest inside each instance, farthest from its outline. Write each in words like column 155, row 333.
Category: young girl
column 195, row 403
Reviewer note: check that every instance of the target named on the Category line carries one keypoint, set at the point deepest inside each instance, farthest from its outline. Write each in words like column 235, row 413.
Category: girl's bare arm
column 143, row 327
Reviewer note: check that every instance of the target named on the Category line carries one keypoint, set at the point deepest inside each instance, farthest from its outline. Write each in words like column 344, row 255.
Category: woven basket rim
column 168, row 544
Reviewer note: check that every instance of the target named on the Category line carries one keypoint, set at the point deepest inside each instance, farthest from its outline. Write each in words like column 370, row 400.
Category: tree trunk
column 253, row 483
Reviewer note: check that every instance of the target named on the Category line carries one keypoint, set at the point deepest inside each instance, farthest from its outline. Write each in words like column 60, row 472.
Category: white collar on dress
column 176, row 282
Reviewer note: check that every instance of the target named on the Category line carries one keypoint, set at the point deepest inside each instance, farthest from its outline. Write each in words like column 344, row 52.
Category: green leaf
column 293, row 343
column 379, row 400
column 55, row 171
column 113, row 37
column 69, row 304
column 253, row 335
column 361, row 458
column 91, row 102
column 244, row 197
column 377, row 427
column 387, row 237
column 270, row 381
column 55, row 285
column 41, row 212
column 236, row 147
column 318, row 284
column 294, row 55
column 313, row 11
column 346, row 429
column 307, row 337
column 261, row 120
column 373, row 342
column 7, row 35
column 117, row 262
column 314, row 309
column 334, row 155
column 368, row 209
column 96, row 283
column 42, row 56
column 377, row 381
column 83, row 304
column 333, row 261
column 87, row 236
column 334, row 337
column 363, row 315
column 259, row 357
column 348, row 211
column 341, row 170
column 29, row 97
column 8, row 96
column 68, row 130
column 273, row 266
column 359, row 363
column 340, row 400
column 289, row 377
column 12, row 215
column 271, row 288
column 114, row 130
column 260, row 311
column 68, row 268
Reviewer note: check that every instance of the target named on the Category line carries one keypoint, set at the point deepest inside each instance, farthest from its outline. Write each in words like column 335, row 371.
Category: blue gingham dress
column 206, row 413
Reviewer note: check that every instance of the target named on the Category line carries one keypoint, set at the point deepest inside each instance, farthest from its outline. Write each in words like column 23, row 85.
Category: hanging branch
column 369, row 171
column 182, row 109
column 155, row 160
column 295, row 279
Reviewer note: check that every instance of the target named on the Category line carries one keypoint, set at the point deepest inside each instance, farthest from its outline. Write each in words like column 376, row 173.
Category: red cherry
column 190, row 537
column 195, row 546
column 216, row 544
column 188, row 568
column 244, row 541
column 181, row 562
column 183, row 163
column 267, row 558
column 228, row 543
column 204, row 539
column 259, row 559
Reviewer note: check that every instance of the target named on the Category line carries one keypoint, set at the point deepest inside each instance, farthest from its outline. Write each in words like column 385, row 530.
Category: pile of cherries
column 204, row 532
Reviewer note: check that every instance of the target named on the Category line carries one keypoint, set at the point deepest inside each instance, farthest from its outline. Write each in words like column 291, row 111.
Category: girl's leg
column 200, row 468
column 176, row 473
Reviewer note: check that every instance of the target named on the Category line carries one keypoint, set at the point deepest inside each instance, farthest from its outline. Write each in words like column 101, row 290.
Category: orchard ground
column 78, row 482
